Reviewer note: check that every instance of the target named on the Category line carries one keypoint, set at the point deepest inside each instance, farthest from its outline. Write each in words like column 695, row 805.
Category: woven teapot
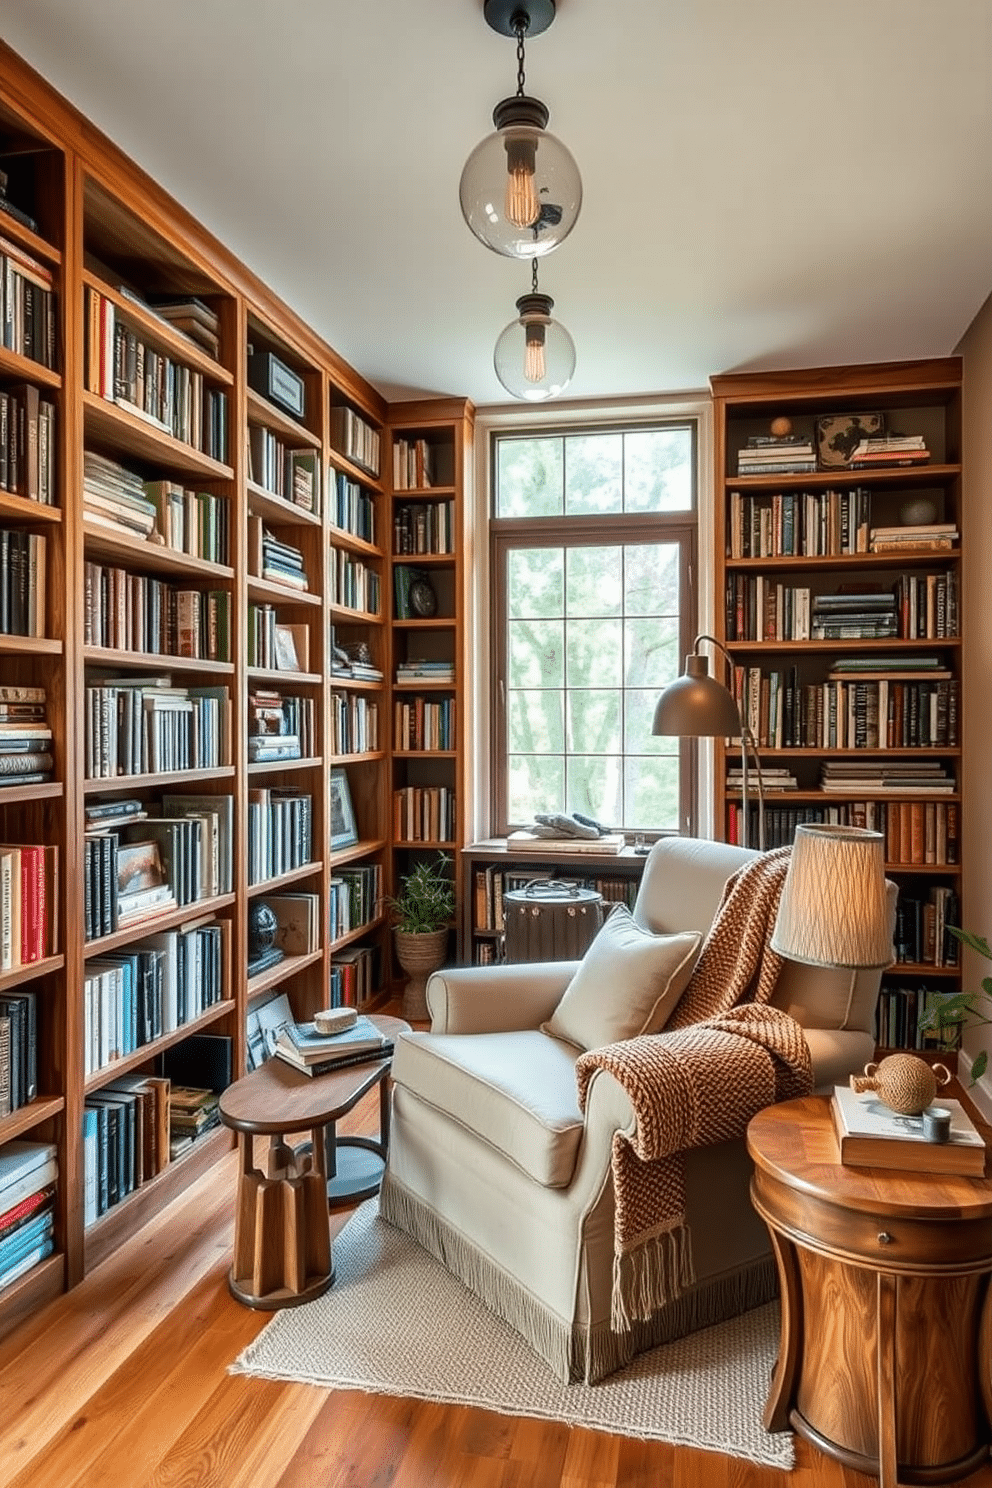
column 902, row 1082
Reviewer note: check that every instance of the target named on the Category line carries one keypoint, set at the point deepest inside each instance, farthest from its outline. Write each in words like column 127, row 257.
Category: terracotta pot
column 419, row 955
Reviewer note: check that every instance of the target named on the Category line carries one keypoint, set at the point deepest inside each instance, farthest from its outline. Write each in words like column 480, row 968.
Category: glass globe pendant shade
column 535, row 356
column 520, row 190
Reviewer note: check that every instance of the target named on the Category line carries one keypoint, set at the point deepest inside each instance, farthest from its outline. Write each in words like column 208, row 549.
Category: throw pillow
column 628, row 982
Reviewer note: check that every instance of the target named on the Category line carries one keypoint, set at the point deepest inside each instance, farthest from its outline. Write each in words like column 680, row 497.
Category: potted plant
column 955, row 1008
column 421, row 914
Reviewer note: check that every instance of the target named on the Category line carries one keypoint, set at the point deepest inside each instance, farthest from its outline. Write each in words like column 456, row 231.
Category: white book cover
column 864, row 1115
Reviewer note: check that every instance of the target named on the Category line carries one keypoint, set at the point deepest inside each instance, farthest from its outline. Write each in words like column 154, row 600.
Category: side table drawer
column 883, row 1241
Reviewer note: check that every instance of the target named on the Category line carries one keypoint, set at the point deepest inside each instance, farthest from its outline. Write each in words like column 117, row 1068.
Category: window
column 594, row 536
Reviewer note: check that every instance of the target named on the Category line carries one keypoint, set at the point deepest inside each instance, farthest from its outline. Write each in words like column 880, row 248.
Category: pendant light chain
column 520, row 23
column 533, row 275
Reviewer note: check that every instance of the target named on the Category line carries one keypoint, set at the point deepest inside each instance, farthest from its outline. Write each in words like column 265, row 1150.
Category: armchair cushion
column 516, row 1091
column 627, row 983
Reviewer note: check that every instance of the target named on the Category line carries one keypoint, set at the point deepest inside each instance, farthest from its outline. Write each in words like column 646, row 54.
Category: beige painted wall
column 976, row 596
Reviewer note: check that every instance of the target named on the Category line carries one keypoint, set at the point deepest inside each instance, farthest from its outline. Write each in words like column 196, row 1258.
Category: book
column 871, row 1135
column 342, row 1061
column 523, row 841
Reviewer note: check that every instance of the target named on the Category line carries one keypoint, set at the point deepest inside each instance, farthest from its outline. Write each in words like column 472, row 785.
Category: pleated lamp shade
column 833, row 910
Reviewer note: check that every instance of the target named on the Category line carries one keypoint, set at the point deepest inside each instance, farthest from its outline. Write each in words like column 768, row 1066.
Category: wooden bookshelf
column 780, row 536
column 106, row 232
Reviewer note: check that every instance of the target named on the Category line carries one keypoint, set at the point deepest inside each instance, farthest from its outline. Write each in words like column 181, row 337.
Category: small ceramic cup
column 937, row 1124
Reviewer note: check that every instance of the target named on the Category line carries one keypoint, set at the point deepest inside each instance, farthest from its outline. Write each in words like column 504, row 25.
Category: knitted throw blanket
column 697, row 1084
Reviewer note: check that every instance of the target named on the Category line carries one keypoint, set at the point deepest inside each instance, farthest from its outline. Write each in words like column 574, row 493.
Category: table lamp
column 697, row 706
column 833, row 910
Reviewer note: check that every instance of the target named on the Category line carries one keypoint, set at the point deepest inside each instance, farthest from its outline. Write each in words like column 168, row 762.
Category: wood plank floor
column 122, row 1383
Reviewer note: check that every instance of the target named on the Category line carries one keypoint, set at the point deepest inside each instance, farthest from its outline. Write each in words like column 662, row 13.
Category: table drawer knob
column 884, row 1238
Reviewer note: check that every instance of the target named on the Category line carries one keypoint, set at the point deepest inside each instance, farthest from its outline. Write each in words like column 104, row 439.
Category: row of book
column 355, row 438
column 27, row 305
column 920, row 777
column 132, row 998
column 354, row 586
column 354, row 507
column 270, row 557
column 783, row 712
column 354, row 723
column 29, row 890
column 125, row 1140
column 413, row 464
column 28, row 453
column 25, row 736
column 280, row 831
column 23, row 581
column 931, row 537
column 123, row 367
column 424, row 813
column 772, row 454
column 280, row 726
column 18, row 1050
column 28, row 1179
column 899, row 1013
column 146, row 725
column 921, row 933
column 811, row 524
column 148, row 865
column 124, row 611
column 274, row 644
column 759, row 608
column 420, row 724
column 291, row 474
column 424, row 527
column 164, row 512
column 355, row 898
column 917, row 833
column 354, row 977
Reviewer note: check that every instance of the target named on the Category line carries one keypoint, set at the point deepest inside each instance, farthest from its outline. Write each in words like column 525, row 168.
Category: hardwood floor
column 122, row 1383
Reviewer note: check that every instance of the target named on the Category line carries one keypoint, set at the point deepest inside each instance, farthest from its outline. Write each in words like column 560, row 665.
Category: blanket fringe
column 650, row 1275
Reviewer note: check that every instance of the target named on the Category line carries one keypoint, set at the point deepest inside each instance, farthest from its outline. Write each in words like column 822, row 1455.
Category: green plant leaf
column 978, row 1067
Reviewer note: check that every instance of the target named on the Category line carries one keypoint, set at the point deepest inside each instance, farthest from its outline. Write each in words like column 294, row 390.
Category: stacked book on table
column 355, row 1041
column 871, row 1135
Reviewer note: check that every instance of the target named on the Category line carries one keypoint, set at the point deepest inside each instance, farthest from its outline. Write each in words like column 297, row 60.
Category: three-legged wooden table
column 886, row 1344
column 282, row 1245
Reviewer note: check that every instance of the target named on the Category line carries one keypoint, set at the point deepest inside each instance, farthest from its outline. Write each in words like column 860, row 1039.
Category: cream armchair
column 495, row 1169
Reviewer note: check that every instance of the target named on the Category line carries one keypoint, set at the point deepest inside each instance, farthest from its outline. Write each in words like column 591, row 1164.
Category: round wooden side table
column 886, row 1334
column 282, row 1244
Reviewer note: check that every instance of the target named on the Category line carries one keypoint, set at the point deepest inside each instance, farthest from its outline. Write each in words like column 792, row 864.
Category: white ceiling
column 774, row 183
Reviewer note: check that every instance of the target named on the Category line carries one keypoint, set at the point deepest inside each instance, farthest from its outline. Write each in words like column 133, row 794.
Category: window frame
column 612, row 528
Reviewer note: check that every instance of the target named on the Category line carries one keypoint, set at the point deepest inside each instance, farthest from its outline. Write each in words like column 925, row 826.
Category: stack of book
column 421, row 673
column 279, row 727
column 313, row 1053
column 773, row 778
column 28, row 1171
column 192, row 1112
column 769, row 454
column 889, row 449
column 114, row 497
column 272, row 559
column 919, row 777
column 192, row 317
column 864, row 616
column 27, row 443
column 934, row 537
column 25, row 737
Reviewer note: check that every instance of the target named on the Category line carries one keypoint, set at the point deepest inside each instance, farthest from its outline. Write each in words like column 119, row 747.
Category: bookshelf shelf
column 170, row 920
column 261, row 411
column 21, row 509
column 155, row 558
column 283, row 679
column 896, row 709
column 280, row 594
column 19, row 976
column 283, row 880
column 13, row 365
column 30, row 646
column 159, row 334
column 45, row 790
column 127, row 1062
column 122, row 662
column 110, row 424
column 283, row 970
column 133, row 783
column 26, row 1118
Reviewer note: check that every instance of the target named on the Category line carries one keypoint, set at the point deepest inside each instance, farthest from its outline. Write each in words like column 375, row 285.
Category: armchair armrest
column 496, row 999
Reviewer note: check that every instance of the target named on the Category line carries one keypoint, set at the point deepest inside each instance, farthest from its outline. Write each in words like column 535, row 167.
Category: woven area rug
column 396, row 1323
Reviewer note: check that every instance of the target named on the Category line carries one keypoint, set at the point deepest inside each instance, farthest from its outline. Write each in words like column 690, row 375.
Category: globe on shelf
column 262, row 928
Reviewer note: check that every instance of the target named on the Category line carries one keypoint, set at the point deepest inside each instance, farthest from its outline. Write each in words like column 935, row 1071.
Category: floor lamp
column 697, row 706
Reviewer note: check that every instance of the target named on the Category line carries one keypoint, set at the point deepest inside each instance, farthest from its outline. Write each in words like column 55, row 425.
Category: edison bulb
column 535, row 356
column 520, row 190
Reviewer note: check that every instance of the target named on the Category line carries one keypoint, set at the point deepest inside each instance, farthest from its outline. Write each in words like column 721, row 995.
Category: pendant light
column 534, row 356
column 520, row 190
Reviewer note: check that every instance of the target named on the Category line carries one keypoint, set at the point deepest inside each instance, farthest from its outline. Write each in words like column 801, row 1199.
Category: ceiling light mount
column 509, row 17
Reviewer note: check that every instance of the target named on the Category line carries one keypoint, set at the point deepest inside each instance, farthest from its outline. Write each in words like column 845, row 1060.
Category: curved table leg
column 787, row 1365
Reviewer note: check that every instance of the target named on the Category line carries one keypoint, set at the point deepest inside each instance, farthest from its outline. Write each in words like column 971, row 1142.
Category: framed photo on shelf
column 839, row 434
column 344, row 830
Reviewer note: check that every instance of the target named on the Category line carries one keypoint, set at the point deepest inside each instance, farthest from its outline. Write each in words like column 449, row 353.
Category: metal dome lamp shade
column 534, row 356
column 520, row 189
column 697, row 706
